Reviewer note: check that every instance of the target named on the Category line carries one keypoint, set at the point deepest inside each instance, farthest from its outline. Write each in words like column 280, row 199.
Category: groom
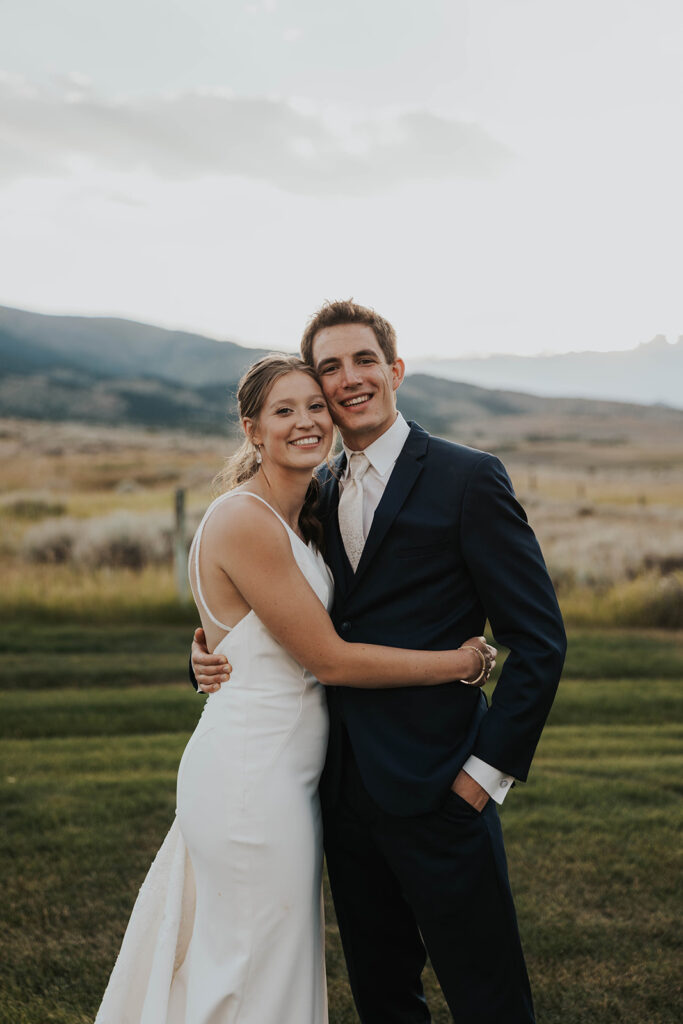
column 426, row 541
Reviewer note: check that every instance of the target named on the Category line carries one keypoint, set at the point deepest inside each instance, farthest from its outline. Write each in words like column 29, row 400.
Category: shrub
column 648, row 602
column 124, row 541
column 120, row 540
column 651, row 602
column 33, row 508
column 51, row 541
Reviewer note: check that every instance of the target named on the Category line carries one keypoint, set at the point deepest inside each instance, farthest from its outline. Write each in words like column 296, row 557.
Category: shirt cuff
column 496, row 783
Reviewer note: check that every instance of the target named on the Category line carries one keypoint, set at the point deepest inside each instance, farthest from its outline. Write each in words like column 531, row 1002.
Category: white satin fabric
column 228, row 927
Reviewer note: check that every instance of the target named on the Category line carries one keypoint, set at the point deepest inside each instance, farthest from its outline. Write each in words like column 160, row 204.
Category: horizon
column 645, row 375
column 464, row 356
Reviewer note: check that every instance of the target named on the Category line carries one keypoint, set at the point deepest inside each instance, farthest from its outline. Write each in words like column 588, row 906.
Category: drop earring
column 259, row 460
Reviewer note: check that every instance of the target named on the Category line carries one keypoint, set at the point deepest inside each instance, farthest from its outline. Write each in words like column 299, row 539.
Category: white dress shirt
column 382, row 455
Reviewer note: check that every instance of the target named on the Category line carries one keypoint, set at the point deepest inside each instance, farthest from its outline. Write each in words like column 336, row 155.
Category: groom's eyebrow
column 335, row 359
column 326, row 362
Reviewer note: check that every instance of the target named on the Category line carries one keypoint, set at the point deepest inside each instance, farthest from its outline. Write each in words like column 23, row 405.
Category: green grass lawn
column 54, row 656
column 87, row 791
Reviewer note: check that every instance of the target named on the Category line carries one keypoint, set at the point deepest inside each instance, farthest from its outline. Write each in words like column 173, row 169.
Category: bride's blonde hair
column 242, row 465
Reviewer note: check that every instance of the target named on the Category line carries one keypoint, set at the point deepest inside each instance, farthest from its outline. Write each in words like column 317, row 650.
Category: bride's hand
column 478, row 648
column 210, row 670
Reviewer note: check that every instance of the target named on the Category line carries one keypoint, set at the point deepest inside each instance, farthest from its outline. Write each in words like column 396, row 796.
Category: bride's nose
column 304, row 419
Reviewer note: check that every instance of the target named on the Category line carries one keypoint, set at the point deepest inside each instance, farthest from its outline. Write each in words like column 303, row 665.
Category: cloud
column 187, row 135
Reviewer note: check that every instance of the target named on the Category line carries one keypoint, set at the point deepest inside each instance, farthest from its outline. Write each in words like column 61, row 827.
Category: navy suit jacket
column 449, row 547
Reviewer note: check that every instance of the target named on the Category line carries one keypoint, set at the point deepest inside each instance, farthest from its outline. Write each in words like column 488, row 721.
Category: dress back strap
column 195, row 546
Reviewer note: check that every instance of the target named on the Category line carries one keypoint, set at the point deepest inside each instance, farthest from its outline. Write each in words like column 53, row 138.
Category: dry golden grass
column 650, row 601
column 110, row 462
column 588, row 542
column 70, row 592
column 607, row 509
column 613, row 486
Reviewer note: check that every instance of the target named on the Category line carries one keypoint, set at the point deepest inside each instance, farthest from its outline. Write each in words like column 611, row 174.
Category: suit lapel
column 335, row 555
column 406, row 471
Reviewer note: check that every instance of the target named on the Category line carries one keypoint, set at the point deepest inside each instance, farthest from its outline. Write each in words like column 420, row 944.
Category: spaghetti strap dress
column 228, row 926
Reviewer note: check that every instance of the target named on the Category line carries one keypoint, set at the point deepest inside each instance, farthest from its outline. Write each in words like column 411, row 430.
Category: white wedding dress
column 227, row 927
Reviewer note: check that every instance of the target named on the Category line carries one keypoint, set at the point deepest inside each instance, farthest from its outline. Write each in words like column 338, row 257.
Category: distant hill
column 465, row 412
column 478, row 415
column 103, row 370
column 66, row 394
column 109, row 347
column 652, row 372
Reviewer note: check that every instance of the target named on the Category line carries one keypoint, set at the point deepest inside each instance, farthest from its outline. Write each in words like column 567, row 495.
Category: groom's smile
column 359, row 400
column 358, row 383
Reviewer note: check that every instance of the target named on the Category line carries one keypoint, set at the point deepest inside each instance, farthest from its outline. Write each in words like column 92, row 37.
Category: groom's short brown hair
column 333, row 314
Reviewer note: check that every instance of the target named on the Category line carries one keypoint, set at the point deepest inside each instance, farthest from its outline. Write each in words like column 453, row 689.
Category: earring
column 259, row 460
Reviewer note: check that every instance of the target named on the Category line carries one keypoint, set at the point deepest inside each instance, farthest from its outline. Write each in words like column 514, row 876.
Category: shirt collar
column 383, row 452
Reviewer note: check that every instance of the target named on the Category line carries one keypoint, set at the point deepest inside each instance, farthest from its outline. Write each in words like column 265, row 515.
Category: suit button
column 345, row 627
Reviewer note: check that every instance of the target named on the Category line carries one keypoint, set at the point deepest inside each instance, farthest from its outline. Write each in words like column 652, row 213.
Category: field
column 87, row 778
column 605, row 502
column 95, row 711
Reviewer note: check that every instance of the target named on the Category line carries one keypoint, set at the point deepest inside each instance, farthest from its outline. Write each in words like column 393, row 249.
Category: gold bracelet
column 473, row 682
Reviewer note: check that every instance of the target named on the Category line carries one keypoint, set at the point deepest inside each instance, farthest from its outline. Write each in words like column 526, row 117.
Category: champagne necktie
column 351, row 508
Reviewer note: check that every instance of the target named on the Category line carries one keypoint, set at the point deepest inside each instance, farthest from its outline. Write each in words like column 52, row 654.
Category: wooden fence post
column 180, row 548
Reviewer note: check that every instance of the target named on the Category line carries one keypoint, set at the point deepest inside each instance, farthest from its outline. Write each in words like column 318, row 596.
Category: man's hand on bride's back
column 210, row 670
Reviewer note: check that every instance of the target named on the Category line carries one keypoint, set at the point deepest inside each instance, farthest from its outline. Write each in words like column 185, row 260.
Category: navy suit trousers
column 433, row 883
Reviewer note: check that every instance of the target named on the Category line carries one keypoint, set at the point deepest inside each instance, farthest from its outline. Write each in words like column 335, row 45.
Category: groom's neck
column 358, row 441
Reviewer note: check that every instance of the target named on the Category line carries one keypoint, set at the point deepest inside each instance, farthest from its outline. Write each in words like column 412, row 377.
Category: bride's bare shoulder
column 243, row 519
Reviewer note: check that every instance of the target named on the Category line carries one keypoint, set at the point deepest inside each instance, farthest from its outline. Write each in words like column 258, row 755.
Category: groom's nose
column 350, row 375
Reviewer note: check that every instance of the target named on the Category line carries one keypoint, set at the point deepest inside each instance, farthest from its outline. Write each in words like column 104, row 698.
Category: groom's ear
column 398, row 372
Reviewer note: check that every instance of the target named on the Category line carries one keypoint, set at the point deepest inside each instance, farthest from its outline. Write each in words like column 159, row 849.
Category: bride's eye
column 284, row 409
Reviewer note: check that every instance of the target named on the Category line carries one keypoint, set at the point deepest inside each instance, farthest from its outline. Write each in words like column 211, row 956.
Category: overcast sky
column 493, row 176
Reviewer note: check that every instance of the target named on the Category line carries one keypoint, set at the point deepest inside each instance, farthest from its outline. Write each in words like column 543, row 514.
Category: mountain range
column 107, row 370
column 650, row 373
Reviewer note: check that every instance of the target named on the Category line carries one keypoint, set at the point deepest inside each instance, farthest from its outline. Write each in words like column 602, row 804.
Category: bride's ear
column 249, row 428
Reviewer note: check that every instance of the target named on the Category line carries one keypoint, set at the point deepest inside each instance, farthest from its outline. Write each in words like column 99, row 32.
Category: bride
column 227, row 928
